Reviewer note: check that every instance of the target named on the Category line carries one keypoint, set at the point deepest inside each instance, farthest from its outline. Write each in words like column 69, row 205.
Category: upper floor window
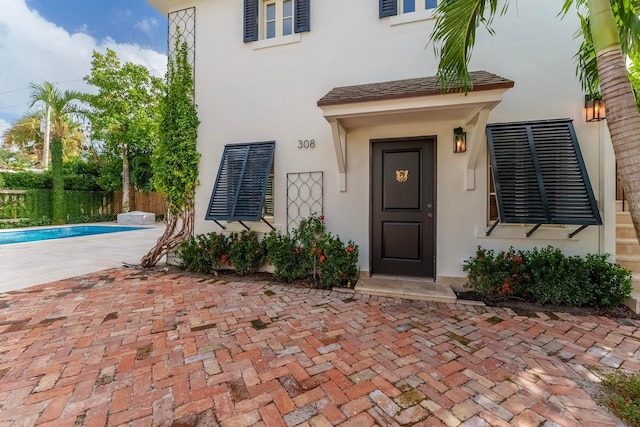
column 278, row 18
column 270, row 19
column 398, row 7
column 408, row 6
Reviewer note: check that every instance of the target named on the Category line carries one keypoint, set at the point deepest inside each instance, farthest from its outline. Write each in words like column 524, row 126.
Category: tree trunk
column 623, row 118
column 179, row 229
column 47, row 138
column 125, row 179
column 58, row 208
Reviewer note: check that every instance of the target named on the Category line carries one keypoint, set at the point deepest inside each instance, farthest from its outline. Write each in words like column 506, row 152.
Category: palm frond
column 626, row 14
column 454, row 37
column 586, row 63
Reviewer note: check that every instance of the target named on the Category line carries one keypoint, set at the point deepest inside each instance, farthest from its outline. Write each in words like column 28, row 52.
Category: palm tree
column 602, row 53
column 25, row 134
column 58, row 106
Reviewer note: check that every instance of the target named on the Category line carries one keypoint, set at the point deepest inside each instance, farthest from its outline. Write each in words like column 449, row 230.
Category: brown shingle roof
column 409, row 88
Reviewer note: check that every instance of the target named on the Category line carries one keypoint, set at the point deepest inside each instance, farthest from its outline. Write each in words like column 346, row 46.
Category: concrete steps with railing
column 628, row 253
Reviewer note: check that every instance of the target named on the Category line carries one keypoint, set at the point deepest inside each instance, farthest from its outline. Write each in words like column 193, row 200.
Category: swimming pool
column 7, row 237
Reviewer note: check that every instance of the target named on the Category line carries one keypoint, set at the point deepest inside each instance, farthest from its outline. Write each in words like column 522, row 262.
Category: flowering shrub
column 204, row 253
column 289, row 259
column 309, row 249
column 337, row 262
column 246, row 253
column 547, row 276
column 497, row 276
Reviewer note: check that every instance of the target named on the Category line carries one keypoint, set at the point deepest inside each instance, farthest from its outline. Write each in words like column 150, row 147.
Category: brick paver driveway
column 124, row 347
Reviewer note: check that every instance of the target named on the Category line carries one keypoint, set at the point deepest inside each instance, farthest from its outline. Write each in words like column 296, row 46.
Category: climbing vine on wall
column 175, row 158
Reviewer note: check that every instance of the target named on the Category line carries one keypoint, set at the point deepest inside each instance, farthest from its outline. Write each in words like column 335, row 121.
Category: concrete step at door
column 631, row 262
column 625, row 231
column 628, row 254
column 623, row 218
column 627, row 247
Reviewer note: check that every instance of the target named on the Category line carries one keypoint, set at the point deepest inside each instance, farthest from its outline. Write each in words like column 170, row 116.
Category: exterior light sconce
column 593, row 109
column 459, row 141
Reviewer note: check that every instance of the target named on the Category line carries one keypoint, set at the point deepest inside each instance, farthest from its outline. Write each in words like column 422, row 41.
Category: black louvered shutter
column 302, row 12
column 250, row 20
column 388, row 8
column 241, row 184
column 539, row 174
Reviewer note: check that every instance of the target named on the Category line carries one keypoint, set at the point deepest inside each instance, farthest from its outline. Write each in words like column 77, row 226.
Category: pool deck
column 32, row 263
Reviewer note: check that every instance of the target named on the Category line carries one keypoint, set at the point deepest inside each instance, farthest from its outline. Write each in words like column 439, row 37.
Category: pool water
column 22, row 236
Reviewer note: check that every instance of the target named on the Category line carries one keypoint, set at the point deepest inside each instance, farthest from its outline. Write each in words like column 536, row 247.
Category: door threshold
column 403, row 278
column 415, row 288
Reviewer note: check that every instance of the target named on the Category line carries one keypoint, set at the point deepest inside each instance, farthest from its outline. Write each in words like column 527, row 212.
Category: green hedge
column 37, row 203
column 78, row 175
column 26, row 180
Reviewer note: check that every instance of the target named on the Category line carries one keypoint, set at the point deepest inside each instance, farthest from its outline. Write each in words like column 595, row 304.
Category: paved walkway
column 128, row 347
column 33, row 263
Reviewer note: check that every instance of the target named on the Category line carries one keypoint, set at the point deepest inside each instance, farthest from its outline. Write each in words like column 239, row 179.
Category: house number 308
column 307, row 143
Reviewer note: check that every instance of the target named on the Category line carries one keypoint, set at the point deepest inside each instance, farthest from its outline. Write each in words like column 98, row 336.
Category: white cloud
column 147, row 26
column 35, row 50
column 4, row 125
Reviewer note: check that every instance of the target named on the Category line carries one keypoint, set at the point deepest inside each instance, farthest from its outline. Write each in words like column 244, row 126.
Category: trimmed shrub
column 308, row 249
column 338, row 262
column 547, row 276
column 610, row 283
column 289, row 259
column 204, row 253
column 246, row 253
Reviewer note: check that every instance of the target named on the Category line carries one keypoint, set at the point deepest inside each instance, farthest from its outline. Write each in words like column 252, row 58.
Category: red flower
column 506, row 288
column 321, row 217
column 349, row 249
column 517, row 259
column 323, row 258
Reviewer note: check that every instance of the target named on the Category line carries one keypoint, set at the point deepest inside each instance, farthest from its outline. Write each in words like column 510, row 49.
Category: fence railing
column 139, row 201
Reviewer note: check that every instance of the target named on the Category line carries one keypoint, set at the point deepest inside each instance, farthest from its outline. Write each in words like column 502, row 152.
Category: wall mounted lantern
column 459, row 141
column 593, row 108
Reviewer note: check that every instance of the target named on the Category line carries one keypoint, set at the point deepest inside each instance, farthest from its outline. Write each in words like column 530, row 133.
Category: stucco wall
column 247, row 95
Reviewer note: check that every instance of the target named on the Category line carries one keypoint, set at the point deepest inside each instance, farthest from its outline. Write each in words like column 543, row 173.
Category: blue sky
column 52, row 40
column 125, row 21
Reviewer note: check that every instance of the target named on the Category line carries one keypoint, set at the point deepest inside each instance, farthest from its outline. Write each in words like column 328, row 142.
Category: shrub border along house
column 307, row 250
column 547, row 276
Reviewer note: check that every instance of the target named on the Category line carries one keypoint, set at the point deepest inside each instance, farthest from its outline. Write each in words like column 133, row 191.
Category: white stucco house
column 343, row 94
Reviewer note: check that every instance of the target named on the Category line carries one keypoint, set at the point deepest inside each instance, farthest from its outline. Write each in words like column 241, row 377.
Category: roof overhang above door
column 416, row 100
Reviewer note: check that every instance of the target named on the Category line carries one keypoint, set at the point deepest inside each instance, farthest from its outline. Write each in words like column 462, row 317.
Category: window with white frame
column 273, row 19
column 278, row 18
column 401, row 7
column 408, row 6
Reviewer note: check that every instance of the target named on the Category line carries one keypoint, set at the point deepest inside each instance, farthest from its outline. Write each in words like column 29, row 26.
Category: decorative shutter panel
column 388, row 8
column 302, row 16
column 241, row 184
column 250, row 20
column 539, row 174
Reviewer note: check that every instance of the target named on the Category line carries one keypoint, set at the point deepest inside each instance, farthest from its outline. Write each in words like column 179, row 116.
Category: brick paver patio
column 128, row 347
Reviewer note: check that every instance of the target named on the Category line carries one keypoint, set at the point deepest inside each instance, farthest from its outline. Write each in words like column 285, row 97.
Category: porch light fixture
column 459, row 141
column 593, row 108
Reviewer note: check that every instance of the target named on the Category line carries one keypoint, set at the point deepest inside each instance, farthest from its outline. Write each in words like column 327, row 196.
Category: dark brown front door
column 403, row 207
